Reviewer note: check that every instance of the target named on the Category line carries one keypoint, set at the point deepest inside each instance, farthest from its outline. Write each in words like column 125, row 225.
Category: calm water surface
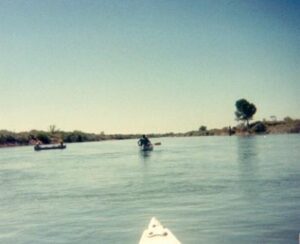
column 205, row 189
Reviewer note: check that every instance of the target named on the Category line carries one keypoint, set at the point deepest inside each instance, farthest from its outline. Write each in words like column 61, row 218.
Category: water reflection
column 247, row 152
column 145, row 154
column 247, row 149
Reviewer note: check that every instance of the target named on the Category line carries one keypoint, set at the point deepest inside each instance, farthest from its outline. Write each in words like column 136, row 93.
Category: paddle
column 157, row 143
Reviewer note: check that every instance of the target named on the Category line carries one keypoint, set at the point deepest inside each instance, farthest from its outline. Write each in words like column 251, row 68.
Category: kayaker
column 38, row 144
column 144, row 141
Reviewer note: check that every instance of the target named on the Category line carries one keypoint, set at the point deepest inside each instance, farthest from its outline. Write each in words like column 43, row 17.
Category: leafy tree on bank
column 202, row 128
column 43, row 137
column 244, row 110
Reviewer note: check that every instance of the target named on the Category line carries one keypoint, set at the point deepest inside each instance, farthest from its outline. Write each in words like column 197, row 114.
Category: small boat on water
column 145, row 144
column 39, row 147
column 157, row 234
column 148, row 147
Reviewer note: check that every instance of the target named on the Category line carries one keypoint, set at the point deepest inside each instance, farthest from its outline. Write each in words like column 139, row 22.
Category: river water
column 205, row 189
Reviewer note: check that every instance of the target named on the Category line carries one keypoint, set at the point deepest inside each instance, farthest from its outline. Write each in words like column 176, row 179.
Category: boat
column 39, row 148
column 157, row 234
column 148, row 147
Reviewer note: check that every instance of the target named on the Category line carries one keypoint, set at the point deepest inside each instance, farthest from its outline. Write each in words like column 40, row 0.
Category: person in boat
column 144, row 141
column 38, row 144
column 61, row 143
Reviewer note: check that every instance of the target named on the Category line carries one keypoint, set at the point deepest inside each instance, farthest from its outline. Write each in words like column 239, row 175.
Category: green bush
column 43, row 137
column 258, row 127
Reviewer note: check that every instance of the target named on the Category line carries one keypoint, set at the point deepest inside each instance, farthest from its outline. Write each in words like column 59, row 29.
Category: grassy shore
column 8, row 138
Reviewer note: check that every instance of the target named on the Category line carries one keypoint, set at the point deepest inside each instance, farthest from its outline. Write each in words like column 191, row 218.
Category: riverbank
column 11, row 139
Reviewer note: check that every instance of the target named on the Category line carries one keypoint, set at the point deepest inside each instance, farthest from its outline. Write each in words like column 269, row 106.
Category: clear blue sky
column 146, row 66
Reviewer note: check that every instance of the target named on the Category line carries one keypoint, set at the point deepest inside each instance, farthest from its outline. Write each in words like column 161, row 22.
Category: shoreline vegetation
column 53, row 136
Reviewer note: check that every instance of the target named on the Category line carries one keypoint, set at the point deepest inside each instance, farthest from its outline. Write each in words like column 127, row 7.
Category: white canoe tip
column 157, row 234
column 154, row 223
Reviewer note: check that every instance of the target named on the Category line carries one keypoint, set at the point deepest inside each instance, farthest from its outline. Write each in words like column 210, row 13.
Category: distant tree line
column 9, row 138
column 244, row 112
column 45, row 137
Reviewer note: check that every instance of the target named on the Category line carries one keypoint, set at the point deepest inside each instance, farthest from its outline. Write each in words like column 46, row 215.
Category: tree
column 288, row 119
column 202, row 128
column 244, row 110
column 43, row 137
column 53, row 129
